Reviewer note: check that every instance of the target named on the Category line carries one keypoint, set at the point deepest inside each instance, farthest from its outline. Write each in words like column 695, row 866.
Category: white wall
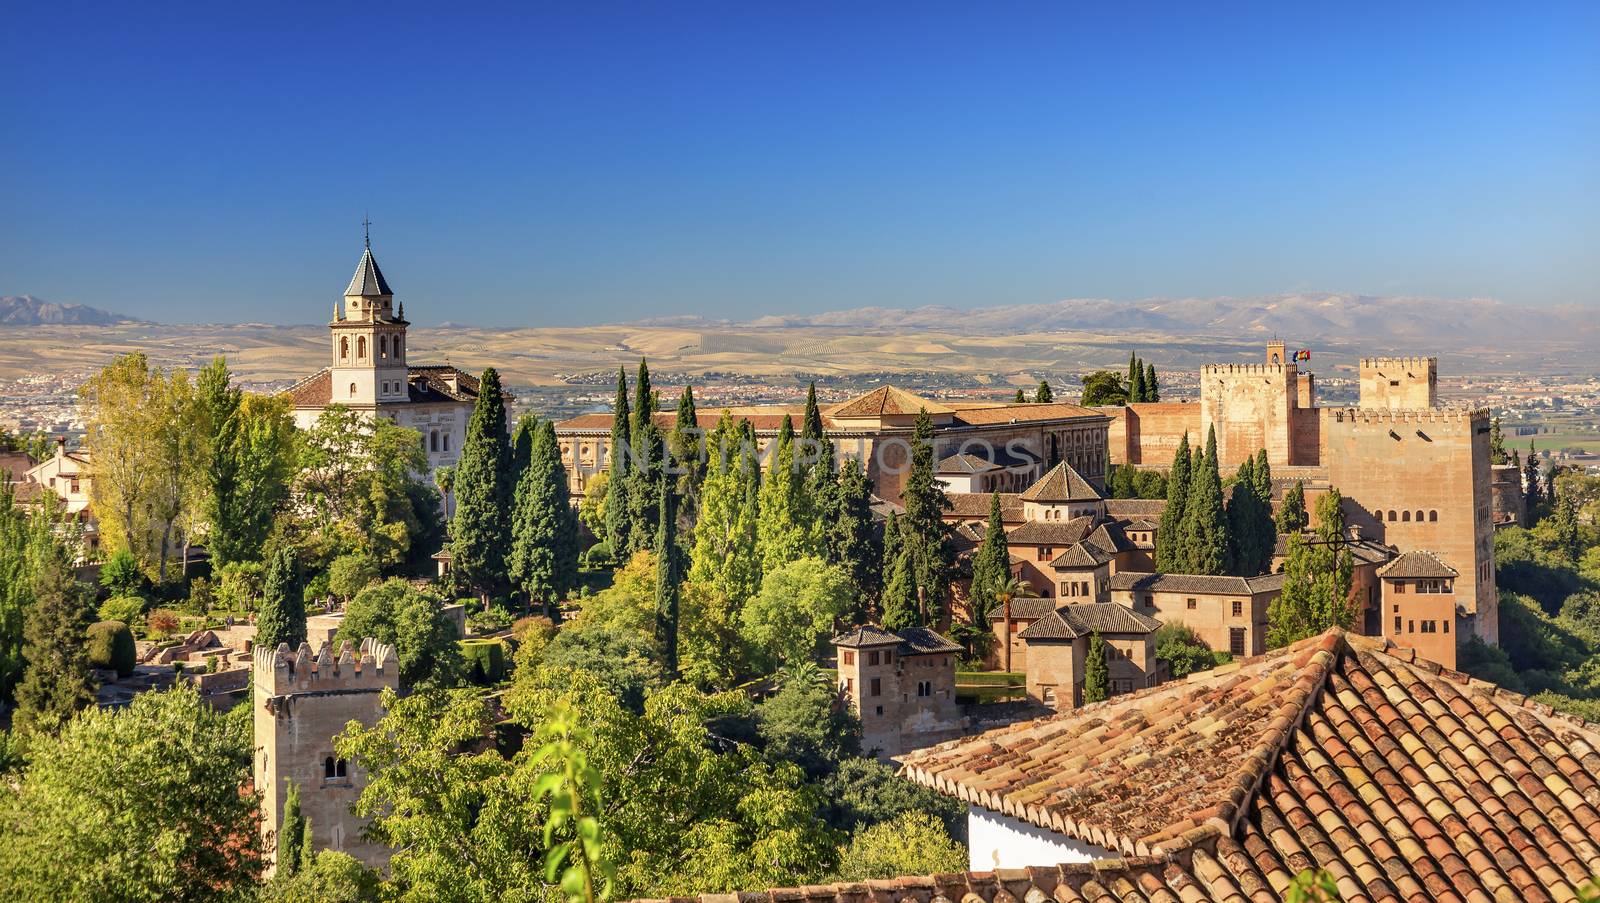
column 996, row 841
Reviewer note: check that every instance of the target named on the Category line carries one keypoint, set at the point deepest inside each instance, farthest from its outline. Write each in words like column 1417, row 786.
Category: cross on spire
column 366, row 226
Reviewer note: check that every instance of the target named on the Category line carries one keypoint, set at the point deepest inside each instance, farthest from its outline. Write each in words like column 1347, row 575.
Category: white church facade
column 371, row 373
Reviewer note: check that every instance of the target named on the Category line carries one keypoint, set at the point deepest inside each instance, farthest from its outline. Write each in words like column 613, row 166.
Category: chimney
column 61, row 447
column 1356, row 533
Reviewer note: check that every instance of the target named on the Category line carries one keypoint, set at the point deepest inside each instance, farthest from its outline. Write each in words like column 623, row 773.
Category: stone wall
column 1252, row 407
column 1211, row 616
column 1399, row 383
column 1147, row 435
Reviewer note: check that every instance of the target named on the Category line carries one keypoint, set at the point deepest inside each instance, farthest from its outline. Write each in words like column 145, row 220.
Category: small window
column 352, row 390
column 1444, row 626
column 1433, row 516
column 1049, row 695
column 327, row 768
column 1428, row 627
column 1191, row 604
column 872, row 658
column 1405, row 517
column 433, row 440
column 876, row 688
column 361, row 348
column 880, row 710
column 1400, row 587
column 1419, row 517
column 1238, row 608
column 1411, row 627
column 1391, row 515
column 339, row 769
column 1236, row 640
column 849, row 656
column 888, row 657
column 344, row 346
column 1396, row 623
column 383, row 347
column 445, row 441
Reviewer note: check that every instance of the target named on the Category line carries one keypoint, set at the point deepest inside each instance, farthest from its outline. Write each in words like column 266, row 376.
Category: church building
column 371, row 373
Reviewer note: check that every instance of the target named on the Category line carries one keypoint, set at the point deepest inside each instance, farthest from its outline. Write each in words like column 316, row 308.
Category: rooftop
column 1417, row 563
column 1061, row 484
column 368, row 282
column 1069, row 622
column 1196, row 583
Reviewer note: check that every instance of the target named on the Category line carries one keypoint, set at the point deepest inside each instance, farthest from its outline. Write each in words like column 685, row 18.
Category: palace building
column 369, row 371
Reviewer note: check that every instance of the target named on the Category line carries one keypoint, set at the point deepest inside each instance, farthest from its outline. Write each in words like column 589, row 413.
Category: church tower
column 369, row 341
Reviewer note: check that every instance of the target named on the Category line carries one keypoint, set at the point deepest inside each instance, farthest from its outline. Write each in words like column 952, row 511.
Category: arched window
column 1419, row 517
column 1391, row 515
column 446, row 442
column 344, row 347
column 361, row 348
column 1405, row 516
column 1433, row 516
column 352, row 390
column 340, row 769
column 397, row 347
column 327, row 767
column 433, row 440
column 383, row 346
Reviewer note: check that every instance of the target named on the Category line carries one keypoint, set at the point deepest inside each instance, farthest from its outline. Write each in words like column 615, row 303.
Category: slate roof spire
column 368, row 282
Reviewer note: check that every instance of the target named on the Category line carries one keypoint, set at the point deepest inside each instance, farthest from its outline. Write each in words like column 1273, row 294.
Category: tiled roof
column 1196, row 583
column 885, row 400
column 1024, row 413
column 1404, row 781
column 1132, row 509
column 368, row 280
column 1081, row 555
column 976, row 504
column 14, row 466
column 912, row 640
column 1072, row 621
column 1027, row 608
column 1050, row 532
column 1061, row 484
column 425, row 384
column 994, row 459
column 314, row 391
column 1417, row 563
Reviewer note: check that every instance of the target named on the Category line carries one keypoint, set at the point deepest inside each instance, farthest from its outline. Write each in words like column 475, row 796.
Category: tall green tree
column 853, row 540
column 784, row 530
column 413, row 621
column 1564, row 523
column 1532, row 490
column 726, row 557
column 619, row 508
column 1205, row 524
column 821, row 491
column 1252, row 536
column 1317, row 576
column 1292, row 516
column 1096, row 675
column 56, row 683
column 689, row 456
column 1020, row 399
column 281, row 614
column 1136, row 391
column 917, row 580
column 990, row 566
column 669, row 574
column 1170, row 554
column 291, row 835
column 648, row 478
column 522, row 448
column 25, row 538
column 252, row 466
column 798, row 608
column 544, row 526
column 480, row 534
column 1497, row 443
column 1152, row 387
column 1104, row 387
column 1043, row 395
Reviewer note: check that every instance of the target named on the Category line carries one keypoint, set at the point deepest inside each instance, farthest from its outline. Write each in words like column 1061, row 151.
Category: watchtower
column 301, row 702
column 1399, row 383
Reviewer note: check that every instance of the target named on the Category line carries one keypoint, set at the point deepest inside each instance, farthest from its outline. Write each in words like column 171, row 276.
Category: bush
column 201, row 597
column 486, row 661
column 530, row 636
column 490, row 620
column 163, row 621
column 1183, row 650
column 598, row 556
column 110, row 646
column 126, row 609
column 350, row 574
column 121, row 575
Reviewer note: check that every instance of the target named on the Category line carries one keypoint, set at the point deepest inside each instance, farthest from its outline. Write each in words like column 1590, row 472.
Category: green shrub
column 201, row 597
column 121, row 575
column 350, row 574
column 492, row 619
column 111, row 647
column 598, row 556
column 126, row 609
column 486, row 661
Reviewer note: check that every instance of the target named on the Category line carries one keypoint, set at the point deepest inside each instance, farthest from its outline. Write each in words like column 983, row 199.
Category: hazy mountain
column 26, row 310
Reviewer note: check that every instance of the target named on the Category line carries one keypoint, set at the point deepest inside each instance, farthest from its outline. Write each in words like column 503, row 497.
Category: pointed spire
column 368, row 282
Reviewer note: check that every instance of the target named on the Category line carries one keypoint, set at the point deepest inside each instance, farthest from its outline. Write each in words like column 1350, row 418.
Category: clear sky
column 535, row 164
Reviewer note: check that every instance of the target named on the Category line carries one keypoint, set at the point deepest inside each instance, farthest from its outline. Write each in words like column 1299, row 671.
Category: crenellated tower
column 1406, row 383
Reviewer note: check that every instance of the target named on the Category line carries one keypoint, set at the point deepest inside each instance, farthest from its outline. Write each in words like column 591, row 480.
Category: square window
column 1238, row 608
column 1191, row 604
column 877, row 687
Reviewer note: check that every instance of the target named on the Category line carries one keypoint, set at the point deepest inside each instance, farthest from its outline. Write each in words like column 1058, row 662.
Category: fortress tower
column 1399, row 383
column 301, row 702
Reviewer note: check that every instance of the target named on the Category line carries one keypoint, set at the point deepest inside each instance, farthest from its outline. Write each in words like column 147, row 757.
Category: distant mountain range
column 26, row 310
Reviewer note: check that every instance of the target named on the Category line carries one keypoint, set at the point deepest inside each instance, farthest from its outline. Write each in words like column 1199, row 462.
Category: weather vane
column 366, row 227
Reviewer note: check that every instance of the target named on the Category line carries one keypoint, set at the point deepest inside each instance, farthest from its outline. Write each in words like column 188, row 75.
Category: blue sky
column 559, row 164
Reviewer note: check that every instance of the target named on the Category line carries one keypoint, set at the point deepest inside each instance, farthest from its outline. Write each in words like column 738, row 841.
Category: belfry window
column 344, row 347
column 361, row 348
column 433, row 440
column 383, row 347
column 352, row 390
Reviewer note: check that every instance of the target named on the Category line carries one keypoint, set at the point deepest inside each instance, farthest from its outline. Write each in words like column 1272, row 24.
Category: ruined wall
column 1147, row 435
column 301, row 702
column 1421, row 480
column 1399, row 383
column 1252, row 407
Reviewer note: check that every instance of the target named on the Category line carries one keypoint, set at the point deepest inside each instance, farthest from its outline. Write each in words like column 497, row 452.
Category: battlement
column 1457, row 416
column 283, row 671
column 1247, row 369
column 1408, row 363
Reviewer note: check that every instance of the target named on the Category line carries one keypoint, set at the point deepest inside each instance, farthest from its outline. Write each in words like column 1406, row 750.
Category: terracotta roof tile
column 885, row 401
column 1072, row 621
column 1417, row 563
column 965, row 505
column 1062, row 533
column 1061, row 484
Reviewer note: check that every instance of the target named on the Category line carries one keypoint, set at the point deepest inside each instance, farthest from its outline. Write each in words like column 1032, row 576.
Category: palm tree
column 803, row 673
column 1013, row 587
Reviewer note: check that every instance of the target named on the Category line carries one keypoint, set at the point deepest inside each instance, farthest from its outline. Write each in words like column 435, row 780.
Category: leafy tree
column 350, row 574
column 56, row 683
column 863, row 791
column 1183, row 650
column 291, row 834
column 991, row 567
column 412, row 621
column 726, row 555
column 1120, row 482
column 853, row 541
column 626, row 662
column 1317, row 579
column 1096, row 676
column 803, row 723
column 1021, row 398
column 361, row 488
column 1152, row 387
column 23, row 537
column 480, row 533
column 618, row 508
column 1497, row 443
column 1292, row 517
column 1204, row 531
column 669, row 574
column 544, row 551
column 126, row 609
column 145, row 803
column 329, row 877
column 1104, row 387
column 592, row 507
column 574, row 791
column 121, row 576
column 1043, row 395
column 282, row 616
column 796, row 610
column 783, row 531
column 1170, row 554
column 1149, row 484
column 913, row 843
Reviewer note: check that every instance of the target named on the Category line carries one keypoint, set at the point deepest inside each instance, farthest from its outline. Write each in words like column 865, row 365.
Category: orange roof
column 1022, row 413
column 885, row 401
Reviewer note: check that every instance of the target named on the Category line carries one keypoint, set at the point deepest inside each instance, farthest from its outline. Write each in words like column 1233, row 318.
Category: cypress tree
column 922, row 528
column 1205, row 527
column 1564, row 521
column 620, row 472
column 821, row 495
column 1020, row 399
column 784, row 529
column 522, row 448
column 1497, row 443
column 1292, row 517
column 544, row 526
column 644, row 491
column 480, row 533
column 1121, row 483
column 1169, row 539
column 688, row 457
column 1136, row 391
column 1266, row 530
column 852, row 538
column 668, row 576
column 1043, row 395
column 901, row 607
column 291, row 834
column 991, row 566
column 1533, row 494
column 281, row 615
column 1152, row 388
column 55, row 627
column 1316, row 580
column 1096, row 676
